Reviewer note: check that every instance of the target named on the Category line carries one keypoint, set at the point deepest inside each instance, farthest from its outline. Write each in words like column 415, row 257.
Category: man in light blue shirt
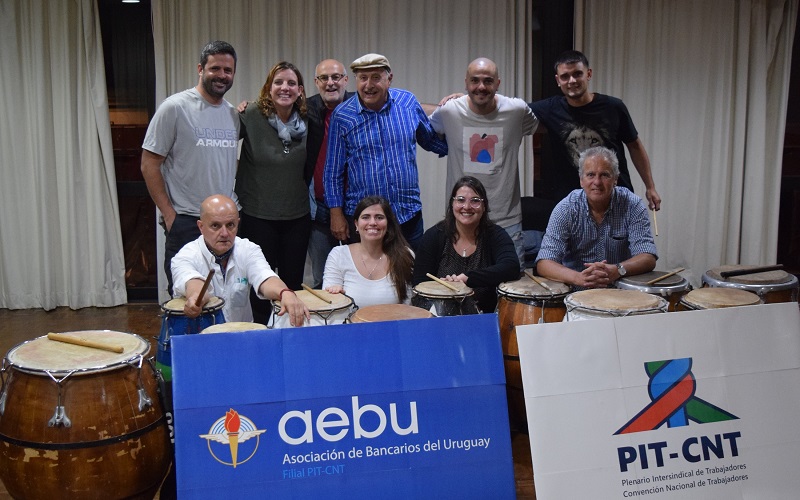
column 372, row 150
column 599, row 233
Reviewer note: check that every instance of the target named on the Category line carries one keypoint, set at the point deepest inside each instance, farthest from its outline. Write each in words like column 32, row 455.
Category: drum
column 671, row 288
column 234, row 326
column 322, row 313
column 771, row 286
column 715, row 298
column 442, row 301
column 81, row 422
column 175, row 322
column 612, row 303
column 524, row 302
column 388, row 312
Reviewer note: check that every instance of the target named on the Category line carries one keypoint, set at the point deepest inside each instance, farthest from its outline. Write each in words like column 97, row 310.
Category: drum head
column 175, row 306
column 40, row 354
column 234, row 326
column 614, row 300
column 776, row 277
column 714, row 298
column 315, row 304
column 643, row 279
column 433, row 289
column 526, row 288
column 388, row 312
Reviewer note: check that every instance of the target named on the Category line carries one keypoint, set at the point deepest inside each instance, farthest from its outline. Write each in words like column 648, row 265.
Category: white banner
column 697, row 404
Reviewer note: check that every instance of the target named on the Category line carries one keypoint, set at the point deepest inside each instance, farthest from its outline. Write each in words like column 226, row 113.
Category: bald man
column 484, row 130
column 237, row 264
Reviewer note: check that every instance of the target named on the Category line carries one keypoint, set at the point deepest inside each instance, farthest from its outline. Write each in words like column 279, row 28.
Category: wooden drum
column 716, row 298
column 770, row 286
column 81, row 422
column 524, row 302
column 671, row 288
column 388, row 312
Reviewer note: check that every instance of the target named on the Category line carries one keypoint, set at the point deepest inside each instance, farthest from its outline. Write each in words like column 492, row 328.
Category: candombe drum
column 82, row 422
column 325, row 308
column 612, row 303
column 234, row 326
column 671, row 288
column 388, row 312
column 443, row 301
column 175, row 322
column 716, row 298
column 524, row 302
column 772, row 285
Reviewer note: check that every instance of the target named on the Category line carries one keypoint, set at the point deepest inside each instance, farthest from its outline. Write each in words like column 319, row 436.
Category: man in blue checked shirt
column 372, row 141
column 598, row 233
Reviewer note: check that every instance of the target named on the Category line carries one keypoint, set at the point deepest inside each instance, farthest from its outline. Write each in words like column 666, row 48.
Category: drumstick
column 199, row 302
column 539, row 282
column 316, row 294
column 656, row 280
column 752, row 270
column 655, row 222
column 85, row 343
column 442, row 282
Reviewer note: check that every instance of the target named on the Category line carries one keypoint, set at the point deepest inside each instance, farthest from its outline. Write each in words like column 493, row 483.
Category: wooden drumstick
column 539, row 282
column 673, row 273
column 316, row 294
column 442, row 282
column 752, row 270
column 199, row 302
column 58, row 337
column 655, row 223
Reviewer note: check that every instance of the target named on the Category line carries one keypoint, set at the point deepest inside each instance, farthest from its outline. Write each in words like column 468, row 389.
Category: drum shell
column 456, row 305
column 513, row 310
column 769, row 293
column 103, row 407
column 174, row 323
column 672, row 293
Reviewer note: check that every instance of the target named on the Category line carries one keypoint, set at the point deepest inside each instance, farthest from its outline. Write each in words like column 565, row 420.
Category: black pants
column 184, row 229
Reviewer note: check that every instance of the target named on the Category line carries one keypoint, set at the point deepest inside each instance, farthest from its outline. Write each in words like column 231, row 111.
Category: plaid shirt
column 574, row 238
column 376, row 153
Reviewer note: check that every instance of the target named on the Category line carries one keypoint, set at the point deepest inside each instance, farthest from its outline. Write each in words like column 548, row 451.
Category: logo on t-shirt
column 483, row 149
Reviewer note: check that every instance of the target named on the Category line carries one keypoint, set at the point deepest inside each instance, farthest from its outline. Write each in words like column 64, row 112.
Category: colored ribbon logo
column 671, row 388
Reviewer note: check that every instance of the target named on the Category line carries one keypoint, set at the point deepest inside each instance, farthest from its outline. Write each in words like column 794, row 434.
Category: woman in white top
column 377, row 269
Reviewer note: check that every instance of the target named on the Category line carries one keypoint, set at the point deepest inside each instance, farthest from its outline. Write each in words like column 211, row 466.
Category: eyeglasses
column 334, row 78
column 473, row 202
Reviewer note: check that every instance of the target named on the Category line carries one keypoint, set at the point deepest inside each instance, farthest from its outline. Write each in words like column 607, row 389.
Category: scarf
column 295, row 128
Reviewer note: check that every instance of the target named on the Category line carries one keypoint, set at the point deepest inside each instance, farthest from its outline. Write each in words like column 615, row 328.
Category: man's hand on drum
column 193, row 287
column 295, row 308
column 335, row 289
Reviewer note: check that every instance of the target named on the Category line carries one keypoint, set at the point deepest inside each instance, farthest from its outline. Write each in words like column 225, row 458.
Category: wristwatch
column 622, row 270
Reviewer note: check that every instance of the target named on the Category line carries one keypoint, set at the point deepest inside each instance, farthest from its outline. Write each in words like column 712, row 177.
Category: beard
column 208, row 85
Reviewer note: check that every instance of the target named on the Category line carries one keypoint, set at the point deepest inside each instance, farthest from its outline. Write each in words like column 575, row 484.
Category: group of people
column 335, row 176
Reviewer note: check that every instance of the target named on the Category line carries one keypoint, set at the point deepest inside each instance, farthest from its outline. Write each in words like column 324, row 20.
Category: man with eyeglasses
column 598, row 233
column 372, row 150
column 484, row 131
column 331, row 80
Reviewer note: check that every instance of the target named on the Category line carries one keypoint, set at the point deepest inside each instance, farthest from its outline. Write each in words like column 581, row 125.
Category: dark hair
column 571, row 57
column 449, row 216
column 264, row 101
column 217, row 47
column 395, row 246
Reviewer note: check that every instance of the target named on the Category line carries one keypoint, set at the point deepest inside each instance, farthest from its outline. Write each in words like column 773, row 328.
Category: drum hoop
column 145, row 348
column 329, row 312
column 759, row 289
column 545, row 297
column 454, row 295
column 206, row 309
column 685, row 300
column 654, row 290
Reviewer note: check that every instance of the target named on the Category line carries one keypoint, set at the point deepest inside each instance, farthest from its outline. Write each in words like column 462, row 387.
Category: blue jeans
column 320, row 243
column 515, row 232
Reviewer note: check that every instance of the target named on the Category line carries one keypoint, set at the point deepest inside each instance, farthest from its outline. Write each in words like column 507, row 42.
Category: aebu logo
column 672, row 388
column 231, row 430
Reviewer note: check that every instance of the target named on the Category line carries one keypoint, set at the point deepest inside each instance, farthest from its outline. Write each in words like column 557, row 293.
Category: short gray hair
column 605, row 153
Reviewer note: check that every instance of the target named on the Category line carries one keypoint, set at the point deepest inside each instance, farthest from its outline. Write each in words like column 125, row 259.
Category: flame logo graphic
column 232, row 429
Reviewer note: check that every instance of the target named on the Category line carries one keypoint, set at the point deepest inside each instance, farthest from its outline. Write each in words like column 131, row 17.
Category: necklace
column 369, row 276
column 466, row 247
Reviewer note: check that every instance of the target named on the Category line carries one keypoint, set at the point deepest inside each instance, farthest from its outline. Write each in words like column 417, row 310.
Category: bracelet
column 280, row 295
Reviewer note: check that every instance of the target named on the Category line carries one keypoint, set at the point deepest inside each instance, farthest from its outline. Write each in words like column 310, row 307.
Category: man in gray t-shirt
column 189, row 151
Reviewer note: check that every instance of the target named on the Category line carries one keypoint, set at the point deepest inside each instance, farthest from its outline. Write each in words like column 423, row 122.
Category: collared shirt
column 574, row 238
column 375, row 151
column 246, row 267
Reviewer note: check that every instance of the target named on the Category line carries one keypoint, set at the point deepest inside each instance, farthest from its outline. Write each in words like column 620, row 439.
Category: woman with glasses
column 377, row 269
column 467, row 247
column 271, row 181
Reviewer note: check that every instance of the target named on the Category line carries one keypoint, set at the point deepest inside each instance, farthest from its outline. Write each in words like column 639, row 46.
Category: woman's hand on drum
column 295, row 308
column 335, row 289
column 456, row 277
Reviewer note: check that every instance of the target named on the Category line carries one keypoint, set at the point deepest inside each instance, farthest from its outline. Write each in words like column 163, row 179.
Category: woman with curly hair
column 271, row 183
column 377, row 269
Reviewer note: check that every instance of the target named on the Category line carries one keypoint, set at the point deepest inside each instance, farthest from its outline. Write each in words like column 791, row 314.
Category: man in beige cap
column 372, row 145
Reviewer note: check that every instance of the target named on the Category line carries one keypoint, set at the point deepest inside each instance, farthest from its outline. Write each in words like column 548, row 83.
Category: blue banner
column 401, row 409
